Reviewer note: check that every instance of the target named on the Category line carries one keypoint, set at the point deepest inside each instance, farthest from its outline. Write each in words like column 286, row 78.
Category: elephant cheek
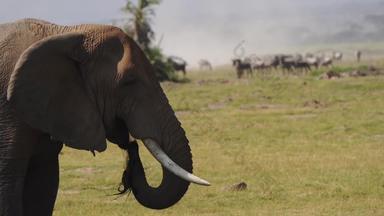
column 142, row 125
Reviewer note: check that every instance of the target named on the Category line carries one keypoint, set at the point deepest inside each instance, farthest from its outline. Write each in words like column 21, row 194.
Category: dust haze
column 211, row 29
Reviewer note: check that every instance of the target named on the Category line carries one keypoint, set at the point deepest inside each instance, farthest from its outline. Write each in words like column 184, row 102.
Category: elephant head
column 86, row 84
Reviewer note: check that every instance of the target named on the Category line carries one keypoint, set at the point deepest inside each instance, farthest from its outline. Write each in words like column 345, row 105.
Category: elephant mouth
column 168, row 163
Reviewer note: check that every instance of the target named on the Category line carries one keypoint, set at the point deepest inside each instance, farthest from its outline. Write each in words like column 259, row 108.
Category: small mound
column 242, row 186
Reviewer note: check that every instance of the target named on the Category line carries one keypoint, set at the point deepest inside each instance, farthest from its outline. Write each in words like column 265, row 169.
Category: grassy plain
column 303, row 146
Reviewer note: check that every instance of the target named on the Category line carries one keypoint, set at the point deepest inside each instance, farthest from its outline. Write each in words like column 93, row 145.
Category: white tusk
column 167, row 162
column 131, row 138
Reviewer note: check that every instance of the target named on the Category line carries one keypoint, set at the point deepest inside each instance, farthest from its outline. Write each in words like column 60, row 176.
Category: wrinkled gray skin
column 78, row 85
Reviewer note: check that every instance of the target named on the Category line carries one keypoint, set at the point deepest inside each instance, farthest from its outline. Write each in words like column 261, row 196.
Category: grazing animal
column 296, row 63
column 275, row 62
column 302, row 66
column 267, row 63
column 241, row 67
column 298, row 57
column 326, row 62
column 313, row 61
column 178, row 64
column 81, row 85
column 260, row 66
column 358, row 55
column 337, row 56
column 205, row 65
column 287, row 63
column 309, row 55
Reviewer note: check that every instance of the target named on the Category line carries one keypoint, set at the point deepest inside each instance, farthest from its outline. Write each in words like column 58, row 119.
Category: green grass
column 303, row 146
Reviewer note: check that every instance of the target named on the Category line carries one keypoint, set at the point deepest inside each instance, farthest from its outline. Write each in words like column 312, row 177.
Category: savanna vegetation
column 303, row 146
column 140, row 14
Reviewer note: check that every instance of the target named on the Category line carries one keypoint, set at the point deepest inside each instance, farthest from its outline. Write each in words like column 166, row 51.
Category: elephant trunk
column 172, row 188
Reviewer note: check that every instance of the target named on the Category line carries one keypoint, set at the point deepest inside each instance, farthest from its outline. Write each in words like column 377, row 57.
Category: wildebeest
column 274, row 62
column 264, row 64
column 260, row 66
column 242, row 66
column 326, row 62
column 295, row 63
column 313, row 61
column 358, row 55
column 321, row 59
column 303, row 66
column 269, row 62
column 337, row 56
column 287, row 63
column 178, row 64
column 256, row 62
column 205, row 64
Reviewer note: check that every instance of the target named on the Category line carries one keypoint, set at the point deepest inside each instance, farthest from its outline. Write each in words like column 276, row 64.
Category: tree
column 140, row 20
column 139, row 27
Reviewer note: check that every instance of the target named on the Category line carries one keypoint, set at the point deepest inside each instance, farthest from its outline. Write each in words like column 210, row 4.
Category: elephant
column 81, row 86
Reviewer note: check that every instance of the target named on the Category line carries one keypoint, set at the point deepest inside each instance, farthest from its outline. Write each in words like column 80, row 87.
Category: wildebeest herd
column 298, row 64
column 288, row 63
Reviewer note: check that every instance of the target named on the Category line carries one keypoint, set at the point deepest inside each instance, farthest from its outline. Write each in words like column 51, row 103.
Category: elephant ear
column 48, row 92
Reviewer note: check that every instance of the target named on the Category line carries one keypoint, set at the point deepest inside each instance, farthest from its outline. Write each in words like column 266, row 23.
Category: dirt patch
column 69, row 192
column 216, row 106
column 86, row 170
column 300, row 116
column 220, row 105
column 378, row 137
column 214, row 81
column 182, row 113
column 329, row 75
column 265, row 97
column 314, row 104
column 262, row 106
column 370, row 71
